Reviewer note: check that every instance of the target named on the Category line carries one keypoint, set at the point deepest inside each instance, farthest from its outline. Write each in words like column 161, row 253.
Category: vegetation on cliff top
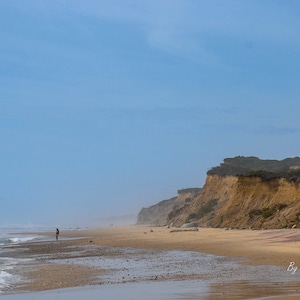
column 288, row 168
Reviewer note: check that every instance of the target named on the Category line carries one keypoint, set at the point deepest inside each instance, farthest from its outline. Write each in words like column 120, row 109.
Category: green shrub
column 267, row 212
column 255, row 167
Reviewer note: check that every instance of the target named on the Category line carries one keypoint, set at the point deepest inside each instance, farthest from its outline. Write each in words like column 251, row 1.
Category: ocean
column 13, row 235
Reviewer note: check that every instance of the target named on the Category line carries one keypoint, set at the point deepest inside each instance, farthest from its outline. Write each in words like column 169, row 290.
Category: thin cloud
column 182, row 28
column 185, row 28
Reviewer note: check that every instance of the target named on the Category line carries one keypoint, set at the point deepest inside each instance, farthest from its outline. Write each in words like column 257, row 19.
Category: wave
column 15, row 240
column 7, row 280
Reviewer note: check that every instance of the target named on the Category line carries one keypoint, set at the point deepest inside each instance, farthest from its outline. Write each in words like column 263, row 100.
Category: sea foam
column 6, row 278
column 7, row 264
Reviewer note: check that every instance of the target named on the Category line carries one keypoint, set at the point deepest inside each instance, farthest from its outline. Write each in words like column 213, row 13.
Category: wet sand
column 255, row 251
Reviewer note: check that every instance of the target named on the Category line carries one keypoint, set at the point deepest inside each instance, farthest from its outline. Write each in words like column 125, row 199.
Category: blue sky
column 110, row 106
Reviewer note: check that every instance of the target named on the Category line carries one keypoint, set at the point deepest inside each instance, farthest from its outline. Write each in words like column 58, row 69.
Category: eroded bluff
column 264, row 194
column 158, row 214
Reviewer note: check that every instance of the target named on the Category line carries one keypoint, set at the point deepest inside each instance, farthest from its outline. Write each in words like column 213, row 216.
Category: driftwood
column 184, row 229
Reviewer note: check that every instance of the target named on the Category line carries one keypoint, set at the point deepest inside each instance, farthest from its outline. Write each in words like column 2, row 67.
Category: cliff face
column 243, row 192
column 158, row 214
column 242, row 202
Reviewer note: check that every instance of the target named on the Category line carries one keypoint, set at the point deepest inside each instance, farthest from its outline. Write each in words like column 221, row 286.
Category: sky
column 107, row 107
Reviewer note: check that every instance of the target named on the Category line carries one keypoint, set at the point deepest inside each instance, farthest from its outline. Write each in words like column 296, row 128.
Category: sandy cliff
column 243, row 192
column 243, row 202
column 159, row 214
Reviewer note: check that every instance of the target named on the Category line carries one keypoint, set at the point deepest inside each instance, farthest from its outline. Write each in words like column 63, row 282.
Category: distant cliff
column 158, row 214
column 243, row 192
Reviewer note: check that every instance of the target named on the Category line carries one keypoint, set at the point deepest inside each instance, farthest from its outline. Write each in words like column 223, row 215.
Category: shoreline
column 251, row 248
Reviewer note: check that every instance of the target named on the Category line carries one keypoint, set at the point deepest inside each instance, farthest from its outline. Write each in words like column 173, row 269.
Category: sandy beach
column 274, row 247
column 254, row 264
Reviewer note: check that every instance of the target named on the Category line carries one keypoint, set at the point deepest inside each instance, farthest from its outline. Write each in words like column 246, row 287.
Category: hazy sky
column 110, row 106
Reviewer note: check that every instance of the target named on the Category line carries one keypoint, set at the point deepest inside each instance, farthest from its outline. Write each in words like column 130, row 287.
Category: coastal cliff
column 158, row 214
column 243, row 193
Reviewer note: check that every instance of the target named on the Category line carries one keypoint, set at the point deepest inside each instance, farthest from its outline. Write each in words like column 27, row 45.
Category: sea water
column 12, row 235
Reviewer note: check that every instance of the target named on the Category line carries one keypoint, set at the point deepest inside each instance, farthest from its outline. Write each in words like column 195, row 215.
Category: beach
column 208, row 263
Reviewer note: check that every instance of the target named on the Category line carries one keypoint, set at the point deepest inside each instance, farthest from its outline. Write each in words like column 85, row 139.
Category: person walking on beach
column 57, row 234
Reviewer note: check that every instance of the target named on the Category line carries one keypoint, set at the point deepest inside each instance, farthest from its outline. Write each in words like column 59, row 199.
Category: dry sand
column 263, row 247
